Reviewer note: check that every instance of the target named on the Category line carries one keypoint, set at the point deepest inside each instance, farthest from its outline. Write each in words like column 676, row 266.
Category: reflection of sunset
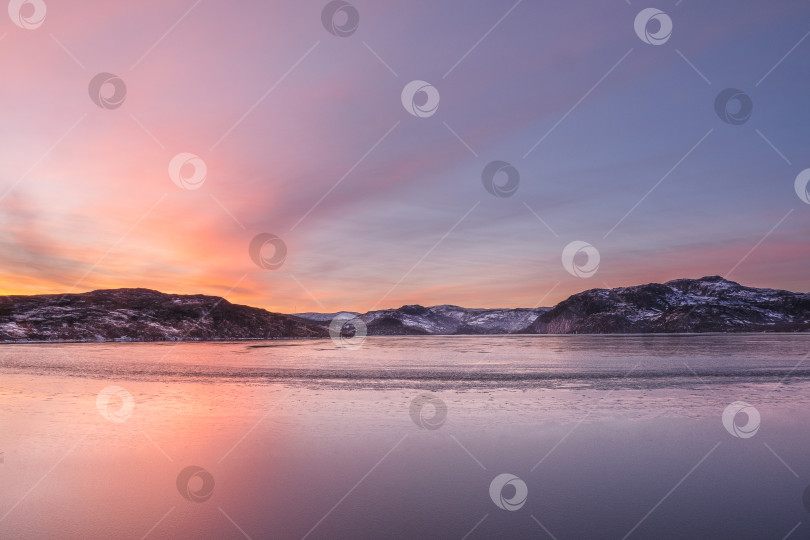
column 275, row 457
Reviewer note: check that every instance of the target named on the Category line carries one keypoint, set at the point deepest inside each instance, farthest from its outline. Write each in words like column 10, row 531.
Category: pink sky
column 280, row 111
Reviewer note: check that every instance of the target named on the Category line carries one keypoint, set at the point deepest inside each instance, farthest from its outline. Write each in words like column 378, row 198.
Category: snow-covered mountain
column 709, row 304
column 437, row 320
column 141, row 315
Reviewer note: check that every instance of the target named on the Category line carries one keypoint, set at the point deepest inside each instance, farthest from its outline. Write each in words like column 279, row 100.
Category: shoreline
column 299, row 338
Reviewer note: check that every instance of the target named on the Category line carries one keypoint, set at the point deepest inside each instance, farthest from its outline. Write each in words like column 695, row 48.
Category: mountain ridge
column 137, row 314
column 708, row 304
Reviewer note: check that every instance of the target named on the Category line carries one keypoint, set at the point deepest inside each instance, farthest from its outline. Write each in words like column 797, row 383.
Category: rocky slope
column 141, row 315
column 709, row 304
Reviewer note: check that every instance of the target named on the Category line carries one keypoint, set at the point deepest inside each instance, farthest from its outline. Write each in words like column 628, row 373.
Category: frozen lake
column 603, row 436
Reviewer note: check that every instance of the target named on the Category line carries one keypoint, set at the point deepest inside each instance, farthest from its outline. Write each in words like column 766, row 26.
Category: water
column 612, row 436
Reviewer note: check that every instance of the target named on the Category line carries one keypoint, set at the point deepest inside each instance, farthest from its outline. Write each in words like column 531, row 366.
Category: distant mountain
column 141, row 315
column 709, row 304
column 438, row 320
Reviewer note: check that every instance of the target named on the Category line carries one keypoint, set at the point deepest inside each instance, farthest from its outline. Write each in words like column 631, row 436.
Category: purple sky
column 304, row 136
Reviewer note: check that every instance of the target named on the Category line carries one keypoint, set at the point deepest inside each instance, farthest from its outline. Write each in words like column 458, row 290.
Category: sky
column 292, row 124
